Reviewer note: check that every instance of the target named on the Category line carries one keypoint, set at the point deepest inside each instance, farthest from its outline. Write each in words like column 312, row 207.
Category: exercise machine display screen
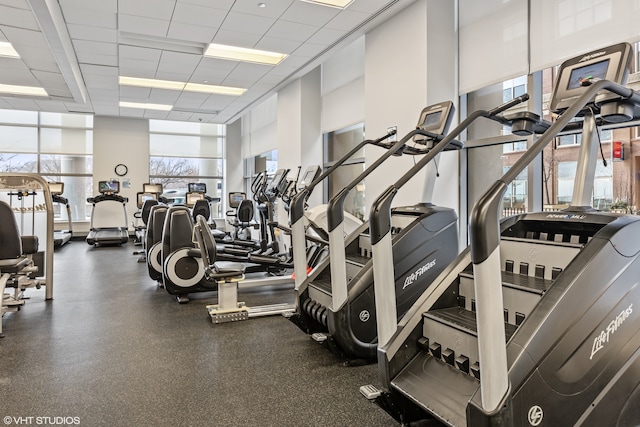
column 428, row 120
column 152, row 188
column 143, row 197
column 235, row 199
column 111, row 187
column 308, row 177
column 591, row 71
column 435, row 119
column 197, row 187
column 277, row 182
column 609, row 63
column 192, row 198
column 56, row 188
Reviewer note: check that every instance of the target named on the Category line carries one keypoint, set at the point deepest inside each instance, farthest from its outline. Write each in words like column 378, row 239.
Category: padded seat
column 13, row 265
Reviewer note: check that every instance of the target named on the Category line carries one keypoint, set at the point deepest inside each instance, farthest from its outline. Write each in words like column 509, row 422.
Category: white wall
column 119, row 140
column 400, row 82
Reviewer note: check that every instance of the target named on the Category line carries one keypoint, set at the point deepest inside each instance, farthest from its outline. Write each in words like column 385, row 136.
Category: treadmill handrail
column 484, row 234
column 297, row 203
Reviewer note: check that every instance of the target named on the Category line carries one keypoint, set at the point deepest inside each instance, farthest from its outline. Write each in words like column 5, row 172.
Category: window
column 184, row 152
column 336, row 145
column 58, row 146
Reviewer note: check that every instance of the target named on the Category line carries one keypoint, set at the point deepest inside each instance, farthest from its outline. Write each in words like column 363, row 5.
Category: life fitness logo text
column 603, row 337
column 419, row 272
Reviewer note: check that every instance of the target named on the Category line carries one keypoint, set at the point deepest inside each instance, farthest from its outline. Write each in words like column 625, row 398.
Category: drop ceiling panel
column 137, row 68
column 174, row 62
column 217, row 4
column 191, row 99
column 100, row 70
column 274, row 8
column 110, row 96
column 135, row 93
column 198, row 15
column 140, row 53
column 90, row 17
column 236, row 38
column 309, row 50
column 20, row 37
column 326, row 36
column 367, row 5
column 195, row 33
column 143, row 25
column 20, row 4
column 347, row 19
column 163, row 96
column 209, row 75
column 156, row 9
column 22, row 103
column 97, row 59
column 245, row 23
column 98, row 81
column 91, row 6
column 55, row 106
column 278, row 45
column 18, row 76
column 180, row 115
column 291, row 30
column 98, row 48
column 18, row 18
column 86, row 32
column 310, row 14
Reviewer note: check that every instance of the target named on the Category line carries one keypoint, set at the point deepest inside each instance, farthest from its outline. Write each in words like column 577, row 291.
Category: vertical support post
column 337, row 257
column 384, row 289
column 586, row 168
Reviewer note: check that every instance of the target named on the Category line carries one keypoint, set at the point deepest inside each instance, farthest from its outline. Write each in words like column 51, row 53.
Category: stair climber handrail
column 380, row 226
column 335, row 222
column 298, row 241
column 485, row 241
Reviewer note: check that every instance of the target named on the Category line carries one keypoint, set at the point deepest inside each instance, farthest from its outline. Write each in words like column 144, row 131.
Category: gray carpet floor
column 113, row 349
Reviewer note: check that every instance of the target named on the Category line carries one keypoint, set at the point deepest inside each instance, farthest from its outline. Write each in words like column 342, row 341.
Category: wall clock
column 121, row 169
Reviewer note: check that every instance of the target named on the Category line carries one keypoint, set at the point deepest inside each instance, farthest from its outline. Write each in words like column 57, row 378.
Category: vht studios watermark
column 41, row 421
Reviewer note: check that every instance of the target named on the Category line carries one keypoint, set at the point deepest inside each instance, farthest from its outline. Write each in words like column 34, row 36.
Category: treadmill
column 108, row 235
column 60, row 237
column 536, row 322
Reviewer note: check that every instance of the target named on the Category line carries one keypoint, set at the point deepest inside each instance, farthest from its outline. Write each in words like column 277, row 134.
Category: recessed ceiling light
column 340, row 4
column 7, row 50
column 234, row 53
column 173, row 85
column 23, row 90
column 146, row 106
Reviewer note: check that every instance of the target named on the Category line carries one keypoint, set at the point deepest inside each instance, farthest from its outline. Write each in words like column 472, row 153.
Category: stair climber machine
column 536, row 323
column 108, row 235
column 60, row 237
column 336, row 300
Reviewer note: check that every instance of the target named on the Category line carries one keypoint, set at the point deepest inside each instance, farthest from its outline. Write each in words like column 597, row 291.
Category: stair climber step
column 358, row 260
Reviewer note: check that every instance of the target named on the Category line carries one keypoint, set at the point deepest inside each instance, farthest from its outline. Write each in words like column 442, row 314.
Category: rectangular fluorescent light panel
column 23, row 90
column 8, row 51
column 172, row 85
column 233, row 53
column 146, row 106
column 340, row 4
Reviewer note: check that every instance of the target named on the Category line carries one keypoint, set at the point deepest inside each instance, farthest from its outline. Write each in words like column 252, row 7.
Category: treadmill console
column 109, row 187
column 56, row 188
column 152, row 188
column 197, row 187
column 434, row 119
column 235, row 199
column 609, row 63
column 143, row 197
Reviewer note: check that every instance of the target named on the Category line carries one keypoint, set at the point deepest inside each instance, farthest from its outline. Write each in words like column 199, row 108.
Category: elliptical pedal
column 319, row 337
column 370, row 391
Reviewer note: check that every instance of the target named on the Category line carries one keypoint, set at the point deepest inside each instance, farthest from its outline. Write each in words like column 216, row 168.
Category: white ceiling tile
column 347, row 19
column 191, row 99
column 198, row 15
column 217, row 4
column 24, row 37
column 100, row 70
column 97, row 59
column 46, row 78
column 140, row 53
column 294, row 61
column 244, row 23
column 86, row 32
column 100, row 6
column 309, row 50
column 20, row 4
column 40, row 62
column 105, row 96
column 132, row 112
column 235, row 38
column 15, row 63
column 137, row 67
column 17, row 76
column 368, row 6
column 179, row 115
column 156, row 9
column 278, row 45
column 4, row 104
column 142, row 25
column 309, row 13
column 52, row 106
column 106, row 110
column 274, row 8
column 60, row 92
column 291, row 30
column 20, row 103
column 194, row 33
column 213, row 76
column 164, row 96
column 134, row 93
column 98, row 48
column 217, row 102
column 79, row 108
column 175, row 77
column 218, row 64
column 97, row 81
column 90, row 18
column 182, row 63
column 15, row 17
column 155, row 114
column 326, row 36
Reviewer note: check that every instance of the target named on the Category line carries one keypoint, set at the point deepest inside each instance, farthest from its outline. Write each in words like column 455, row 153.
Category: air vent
column 161, row 43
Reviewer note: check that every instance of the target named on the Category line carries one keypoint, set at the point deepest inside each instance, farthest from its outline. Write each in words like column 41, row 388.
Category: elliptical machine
column 559, row 288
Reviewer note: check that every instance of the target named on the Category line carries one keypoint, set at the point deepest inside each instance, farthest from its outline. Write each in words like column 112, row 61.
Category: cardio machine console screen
column 152, row 188
column 143, row 197
column 111, row 187
column 56, row 188
column 309, row 175
column 277, row 182
column 609, row 63
column 435, row 119
column 192, row 198
column 197, row 187
column 235, row 199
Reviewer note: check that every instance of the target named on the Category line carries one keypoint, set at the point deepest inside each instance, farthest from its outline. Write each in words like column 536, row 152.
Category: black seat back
column 146, row 210
column 245, row 211
column 177, row 230
column 205, row 241
column 201, row 207
column 155, row 223
column 10, row 242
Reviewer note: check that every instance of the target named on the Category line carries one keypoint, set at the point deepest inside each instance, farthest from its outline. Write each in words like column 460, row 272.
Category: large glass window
column 184, row 152
column 336, row 145
column 58, row 146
